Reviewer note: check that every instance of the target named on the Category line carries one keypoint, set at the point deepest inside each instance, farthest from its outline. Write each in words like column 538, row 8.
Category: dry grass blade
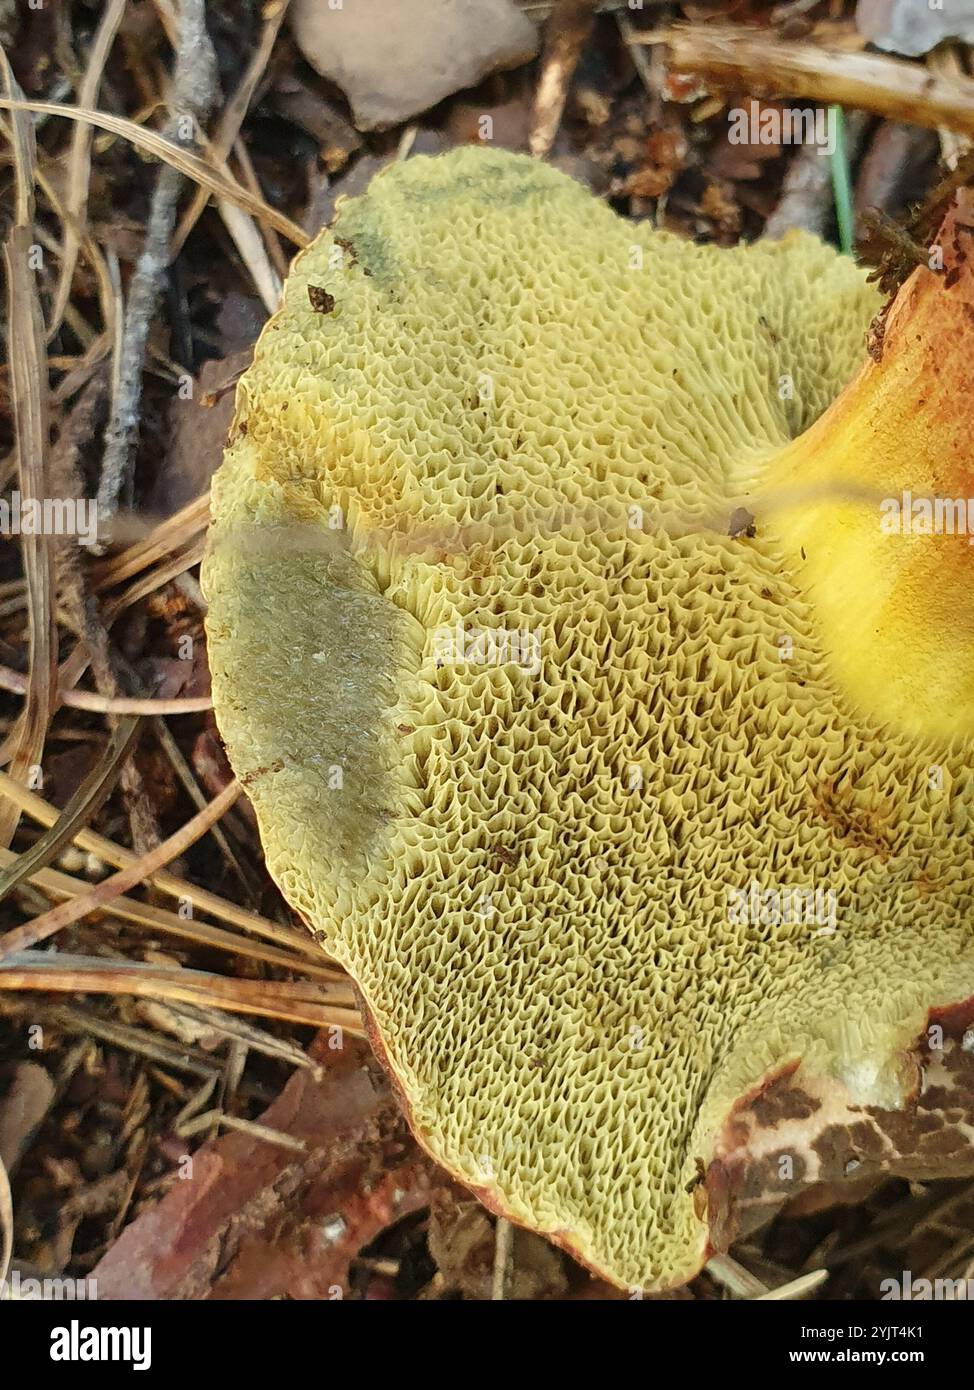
column 796, row 1288
column 161, row 541
column 28, row 371
column 218, row 183
column 108, row 704
column 106, row 293
column 65, row 974
column 157, row 1048
column 40, row 928
column 24, row 147
column 61, row 887
column 184, row 772
column 768, row 66
column 247, row 240
column 6, row 1224
column 248, row 176
column 258, row 1131
column 38, row 809
column 79, row 161
column 80, row 809
column 233, row 115
column 29, row 388
column 148, row 584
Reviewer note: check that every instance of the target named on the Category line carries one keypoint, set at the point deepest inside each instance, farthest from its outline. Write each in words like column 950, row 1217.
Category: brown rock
column 198, row 425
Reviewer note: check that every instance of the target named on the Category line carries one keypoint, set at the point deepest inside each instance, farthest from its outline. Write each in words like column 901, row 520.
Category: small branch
column 764, row 66
column 566, row 34
column 193, row 90
column 503, row 1250
column 257, row 1131
column 232, row 117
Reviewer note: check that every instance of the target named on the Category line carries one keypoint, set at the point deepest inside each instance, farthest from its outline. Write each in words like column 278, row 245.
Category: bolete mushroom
column 591, row 719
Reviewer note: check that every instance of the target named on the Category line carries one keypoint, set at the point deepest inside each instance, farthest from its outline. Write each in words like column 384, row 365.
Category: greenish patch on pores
column 318, row 679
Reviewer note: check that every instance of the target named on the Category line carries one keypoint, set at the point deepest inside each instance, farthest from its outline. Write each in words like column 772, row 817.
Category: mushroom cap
column 529, row 719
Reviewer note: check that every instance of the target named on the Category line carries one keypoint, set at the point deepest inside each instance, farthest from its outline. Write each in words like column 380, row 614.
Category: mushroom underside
column 533, row 731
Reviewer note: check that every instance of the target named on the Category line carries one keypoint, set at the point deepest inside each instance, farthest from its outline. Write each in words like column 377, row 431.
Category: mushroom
column 526, row 645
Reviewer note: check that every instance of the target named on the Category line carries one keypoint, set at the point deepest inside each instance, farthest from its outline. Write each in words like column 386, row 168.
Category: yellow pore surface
column 519, row 715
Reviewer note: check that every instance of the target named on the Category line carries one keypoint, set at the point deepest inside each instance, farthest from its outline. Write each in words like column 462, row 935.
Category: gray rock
column 395, row 58
column 913, row 27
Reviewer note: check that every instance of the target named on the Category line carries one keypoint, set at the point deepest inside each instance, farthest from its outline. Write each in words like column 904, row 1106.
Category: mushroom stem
column 874, row 504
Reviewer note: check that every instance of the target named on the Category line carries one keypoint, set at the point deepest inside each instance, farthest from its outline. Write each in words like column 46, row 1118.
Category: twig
column 566, row 34
column 257, row 1039
column 503, row 1249
column 193, row 88
column 220, row 1117
column 232, row 117
column 767, row 66
column 137, row 1040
